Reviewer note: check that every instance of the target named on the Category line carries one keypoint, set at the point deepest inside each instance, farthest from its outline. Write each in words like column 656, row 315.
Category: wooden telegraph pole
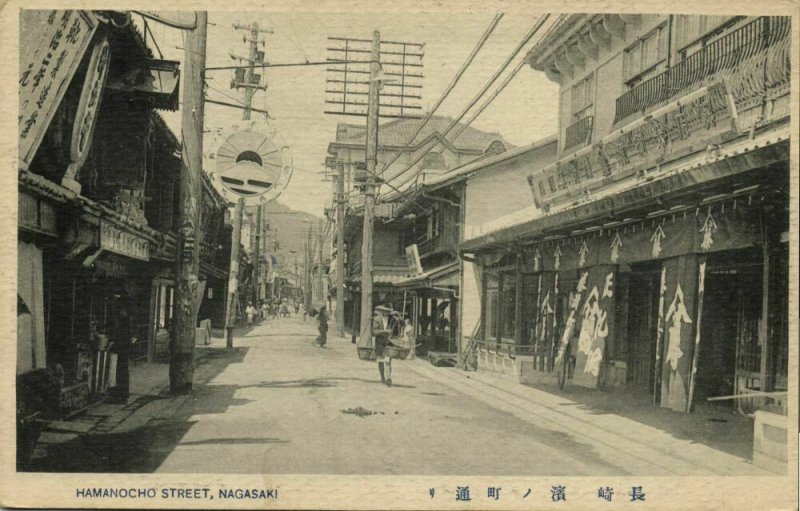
column 322, row 287
column 256, row 257
column 252, row 82
column 340, row 249
column 369, row 190
column 345, row 88
column 307, row 273
column 181, row 362
column 233, row 281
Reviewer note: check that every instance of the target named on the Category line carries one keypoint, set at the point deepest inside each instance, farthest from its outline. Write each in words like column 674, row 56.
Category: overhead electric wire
column 490, row 98
column 488, row 84
column 450, row 87
column 485, row 88
column 444, row 95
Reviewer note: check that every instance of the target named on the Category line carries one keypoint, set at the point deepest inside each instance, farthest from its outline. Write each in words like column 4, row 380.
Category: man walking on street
column 323, row 327
column 381, row 331
column 251, row 313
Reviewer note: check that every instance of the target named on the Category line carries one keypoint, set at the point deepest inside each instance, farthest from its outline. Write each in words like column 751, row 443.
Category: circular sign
column 249, row 164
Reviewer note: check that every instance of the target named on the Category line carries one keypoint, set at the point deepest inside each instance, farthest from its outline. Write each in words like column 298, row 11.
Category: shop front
column 675, row 288
column 431, row 303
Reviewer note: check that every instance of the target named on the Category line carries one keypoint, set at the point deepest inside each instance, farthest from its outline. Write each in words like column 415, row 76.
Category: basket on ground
column 397, row 352
column 366, row 354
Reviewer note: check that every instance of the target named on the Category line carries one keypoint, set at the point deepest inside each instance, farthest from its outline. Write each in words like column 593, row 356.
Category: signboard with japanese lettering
column 686, row 126
column 124, row 243
column 412, row 257
column 55, row 42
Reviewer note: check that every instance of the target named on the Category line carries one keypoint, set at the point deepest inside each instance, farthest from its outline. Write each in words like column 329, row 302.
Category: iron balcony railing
column 578, row 133
column 724, row 53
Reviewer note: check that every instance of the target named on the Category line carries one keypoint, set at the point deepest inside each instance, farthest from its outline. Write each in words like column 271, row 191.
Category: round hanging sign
column 250, row 164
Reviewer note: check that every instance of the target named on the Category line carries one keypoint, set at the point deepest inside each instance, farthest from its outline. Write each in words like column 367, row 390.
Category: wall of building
column 491, row 194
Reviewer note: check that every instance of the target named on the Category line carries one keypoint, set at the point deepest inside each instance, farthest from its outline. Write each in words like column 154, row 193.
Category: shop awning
column 385, row 275
column 695, row 175
column 441, row 276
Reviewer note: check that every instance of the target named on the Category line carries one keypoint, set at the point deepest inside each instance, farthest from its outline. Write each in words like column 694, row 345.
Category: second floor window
column 646, row 57
column 582, row 97
column 692, row 30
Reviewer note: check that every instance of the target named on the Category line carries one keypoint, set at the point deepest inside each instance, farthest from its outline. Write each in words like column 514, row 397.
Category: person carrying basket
column 381, row 332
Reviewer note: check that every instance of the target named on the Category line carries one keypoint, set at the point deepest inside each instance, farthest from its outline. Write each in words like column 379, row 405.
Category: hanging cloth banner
column 680, row 322
column 544, row 327
column 728, row 225
column 594, row 323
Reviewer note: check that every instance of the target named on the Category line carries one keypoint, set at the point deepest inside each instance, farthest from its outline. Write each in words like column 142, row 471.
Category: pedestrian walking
column 250, row 311
column 409, row 339
column 122, row 342
column 264, row 309
column 381, row 332
column 323, row 327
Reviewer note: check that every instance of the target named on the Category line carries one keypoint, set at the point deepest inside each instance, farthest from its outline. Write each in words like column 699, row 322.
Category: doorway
column 642, row 325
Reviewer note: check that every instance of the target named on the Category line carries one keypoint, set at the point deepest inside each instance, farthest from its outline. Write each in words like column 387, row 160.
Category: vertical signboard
column 412, row 258
column 53, row 44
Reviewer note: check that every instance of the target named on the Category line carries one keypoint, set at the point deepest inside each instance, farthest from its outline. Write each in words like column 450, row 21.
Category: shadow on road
column 113, row 446
column 715, row 426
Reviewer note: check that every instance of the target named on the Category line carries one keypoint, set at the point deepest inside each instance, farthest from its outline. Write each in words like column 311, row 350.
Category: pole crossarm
column 352, row 74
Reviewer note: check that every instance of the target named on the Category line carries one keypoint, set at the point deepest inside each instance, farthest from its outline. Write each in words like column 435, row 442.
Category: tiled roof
column 397, row 133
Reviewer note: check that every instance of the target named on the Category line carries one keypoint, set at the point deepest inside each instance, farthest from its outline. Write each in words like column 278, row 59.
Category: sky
column 523, row 113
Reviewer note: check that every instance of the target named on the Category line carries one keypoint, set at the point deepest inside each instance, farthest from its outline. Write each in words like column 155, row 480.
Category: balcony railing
column 724, row 53
column 578, row 133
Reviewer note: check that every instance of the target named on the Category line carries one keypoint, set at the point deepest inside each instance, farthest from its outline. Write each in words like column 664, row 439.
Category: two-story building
column 392, row 233
column 439, row 211
column 98, row 204
column 657, row 252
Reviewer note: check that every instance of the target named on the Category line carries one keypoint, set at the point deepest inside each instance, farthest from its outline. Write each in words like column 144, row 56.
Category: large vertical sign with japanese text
column 52, row 44
column 678, row 336
column 412, row 259
column 595, row 317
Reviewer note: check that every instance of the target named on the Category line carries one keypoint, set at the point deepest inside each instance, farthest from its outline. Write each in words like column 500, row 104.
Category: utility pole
column 307, row 279
column 233, row 281
column 256, row 258
column 181, row 363
column 251, row 83
column 322, row 290
column 401, row 60
column 369, row 190
column 340, row 249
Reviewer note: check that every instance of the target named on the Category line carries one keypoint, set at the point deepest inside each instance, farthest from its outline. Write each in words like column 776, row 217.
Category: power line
column 450, row 87
column 286, row 64
column 491, row 98
column 472, row 103
column 486, row 87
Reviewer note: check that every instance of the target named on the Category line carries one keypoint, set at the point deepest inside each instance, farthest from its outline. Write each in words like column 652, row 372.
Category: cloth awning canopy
column 384, row 275
column 745, row 158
